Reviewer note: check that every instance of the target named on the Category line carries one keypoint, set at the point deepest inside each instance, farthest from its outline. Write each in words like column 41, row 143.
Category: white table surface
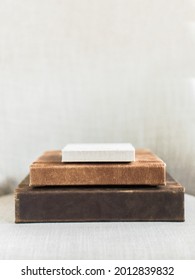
column 124, row 240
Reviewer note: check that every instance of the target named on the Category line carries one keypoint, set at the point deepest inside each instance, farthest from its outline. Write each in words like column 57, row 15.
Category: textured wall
column 97, row 71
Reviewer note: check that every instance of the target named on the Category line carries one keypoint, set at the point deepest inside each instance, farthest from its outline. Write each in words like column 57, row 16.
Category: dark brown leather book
column 48, row 170
column 84, row 204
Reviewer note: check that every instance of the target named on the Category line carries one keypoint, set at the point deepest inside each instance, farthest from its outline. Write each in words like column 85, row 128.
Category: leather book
column 100, row 203
column 49, row 170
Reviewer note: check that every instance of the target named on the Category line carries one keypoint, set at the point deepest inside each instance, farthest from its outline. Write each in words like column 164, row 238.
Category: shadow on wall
column 7, row 185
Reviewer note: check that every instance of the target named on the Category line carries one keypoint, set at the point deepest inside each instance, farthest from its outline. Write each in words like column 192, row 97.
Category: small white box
column 104, row 152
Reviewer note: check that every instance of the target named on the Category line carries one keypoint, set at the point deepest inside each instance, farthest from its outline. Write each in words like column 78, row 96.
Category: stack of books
column 98, row 182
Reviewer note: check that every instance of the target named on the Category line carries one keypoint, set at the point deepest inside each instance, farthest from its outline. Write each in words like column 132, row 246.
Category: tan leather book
column 100, row 203
column 48, row 170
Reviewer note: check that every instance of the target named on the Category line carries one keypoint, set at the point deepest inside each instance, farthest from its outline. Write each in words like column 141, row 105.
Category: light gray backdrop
column 97, row 71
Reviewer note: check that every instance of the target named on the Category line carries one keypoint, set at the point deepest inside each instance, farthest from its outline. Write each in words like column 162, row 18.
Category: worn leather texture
column 116, row 203
column 48, row 170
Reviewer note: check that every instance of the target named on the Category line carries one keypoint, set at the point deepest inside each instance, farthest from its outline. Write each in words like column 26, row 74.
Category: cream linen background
column 97, row 71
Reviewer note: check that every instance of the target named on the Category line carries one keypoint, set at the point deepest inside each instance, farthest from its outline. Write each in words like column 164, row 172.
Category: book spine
column 84, row 206
column 50, row 176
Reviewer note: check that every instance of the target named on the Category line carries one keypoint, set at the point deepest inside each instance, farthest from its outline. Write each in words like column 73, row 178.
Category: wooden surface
column 124, row 240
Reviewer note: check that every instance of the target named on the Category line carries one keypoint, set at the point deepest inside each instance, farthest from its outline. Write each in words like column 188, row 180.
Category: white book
column 104, row 152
